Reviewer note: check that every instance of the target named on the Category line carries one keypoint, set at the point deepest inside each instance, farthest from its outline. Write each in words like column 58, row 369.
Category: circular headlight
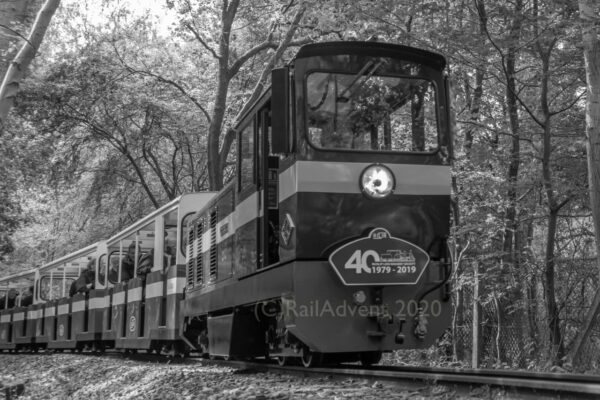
column 377, row 181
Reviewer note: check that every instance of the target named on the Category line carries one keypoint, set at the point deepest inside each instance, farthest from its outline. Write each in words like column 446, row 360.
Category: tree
column 228, row 61
column 18, row 66
column 590, row 30
column 15, row 20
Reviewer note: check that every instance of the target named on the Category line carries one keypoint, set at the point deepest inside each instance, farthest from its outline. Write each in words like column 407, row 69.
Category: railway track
column 469, row 382
column 515, row 384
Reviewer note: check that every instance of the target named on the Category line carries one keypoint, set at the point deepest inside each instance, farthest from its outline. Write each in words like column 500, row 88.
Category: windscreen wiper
column 341, row 97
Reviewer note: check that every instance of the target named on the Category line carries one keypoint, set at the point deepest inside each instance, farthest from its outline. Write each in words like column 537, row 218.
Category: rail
column 515, row 383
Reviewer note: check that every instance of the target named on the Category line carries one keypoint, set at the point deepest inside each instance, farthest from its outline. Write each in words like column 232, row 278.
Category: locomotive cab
column 368, row 144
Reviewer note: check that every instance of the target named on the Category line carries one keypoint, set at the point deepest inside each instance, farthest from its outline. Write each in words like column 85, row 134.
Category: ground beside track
column 73, row 376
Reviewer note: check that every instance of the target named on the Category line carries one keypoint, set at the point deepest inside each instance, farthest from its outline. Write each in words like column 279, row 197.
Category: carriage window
column 52, row 288
column 365, row 111
column 247, row 157
column 102, row 269
column 169, row 243
column 113, row 266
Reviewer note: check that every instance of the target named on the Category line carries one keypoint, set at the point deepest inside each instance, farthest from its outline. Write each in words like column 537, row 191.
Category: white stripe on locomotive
column 342, row 177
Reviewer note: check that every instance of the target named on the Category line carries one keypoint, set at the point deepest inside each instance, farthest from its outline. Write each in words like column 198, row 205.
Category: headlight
column 377, row 181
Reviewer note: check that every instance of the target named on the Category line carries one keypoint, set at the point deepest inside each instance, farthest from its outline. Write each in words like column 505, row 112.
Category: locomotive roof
column 378, row 49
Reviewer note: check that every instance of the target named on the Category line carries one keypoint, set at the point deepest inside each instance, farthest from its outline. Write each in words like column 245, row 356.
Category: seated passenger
column 73, row 288
column 145, row 265
column 27, row 297
column 113, row 273
column 12, row 298
column 86, row 280
column 128, row 263
column 169, row 257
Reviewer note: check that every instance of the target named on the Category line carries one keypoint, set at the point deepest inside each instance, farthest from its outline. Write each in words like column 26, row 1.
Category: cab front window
column 365, row 111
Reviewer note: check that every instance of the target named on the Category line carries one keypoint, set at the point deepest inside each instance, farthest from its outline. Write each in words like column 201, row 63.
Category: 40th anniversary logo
column 379, row 259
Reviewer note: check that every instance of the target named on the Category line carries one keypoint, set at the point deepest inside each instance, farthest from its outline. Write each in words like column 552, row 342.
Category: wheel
column 282, row 361
column 310, row 359
column 369, row 358
column 99, row 348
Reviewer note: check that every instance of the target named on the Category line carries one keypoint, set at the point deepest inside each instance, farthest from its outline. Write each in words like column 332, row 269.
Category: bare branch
column 202, row 41
column 17, row 34
column 568, row 106
column 176, row 85
column 235, row 67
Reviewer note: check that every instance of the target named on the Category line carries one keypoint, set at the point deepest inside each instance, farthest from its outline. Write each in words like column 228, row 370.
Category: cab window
column 246, row 157
column 371, row 112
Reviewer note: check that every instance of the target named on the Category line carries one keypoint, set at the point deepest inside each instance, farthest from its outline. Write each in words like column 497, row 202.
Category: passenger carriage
column 331, row 239
column 142, row 312
column 14, row 314
column 64, row 319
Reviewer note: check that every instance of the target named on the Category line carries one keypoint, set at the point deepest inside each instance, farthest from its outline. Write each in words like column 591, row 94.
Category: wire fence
column 505, row 342
column 589, row 356
column 503, row 326
column 501, row 340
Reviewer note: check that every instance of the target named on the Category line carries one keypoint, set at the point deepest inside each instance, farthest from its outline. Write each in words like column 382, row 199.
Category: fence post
column 476, row 312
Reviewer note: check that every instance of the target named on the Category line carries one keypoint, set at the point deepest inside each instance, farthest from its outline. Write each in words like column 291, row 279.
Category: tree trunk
column 515, row 152
column 217, row 151
column 590, row 28
column 258, row 89
column 551, row 306
column 215, row 174
column 17, row 68
column 16, row 17
column 475, row 101
column 554, row 207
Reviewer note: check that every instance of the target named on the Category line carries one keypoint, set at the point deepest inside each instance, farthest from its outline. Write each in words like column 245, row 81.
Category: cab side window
column 246, row 158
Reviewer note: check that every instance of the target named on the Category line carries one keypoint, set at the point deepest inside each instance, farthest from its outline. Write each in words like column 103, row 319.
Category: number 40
column 358, row 261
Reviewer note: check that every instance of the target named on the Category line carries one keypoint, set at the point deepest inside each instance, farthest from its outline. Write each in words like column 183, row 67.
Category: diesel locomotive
column 330, row 242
